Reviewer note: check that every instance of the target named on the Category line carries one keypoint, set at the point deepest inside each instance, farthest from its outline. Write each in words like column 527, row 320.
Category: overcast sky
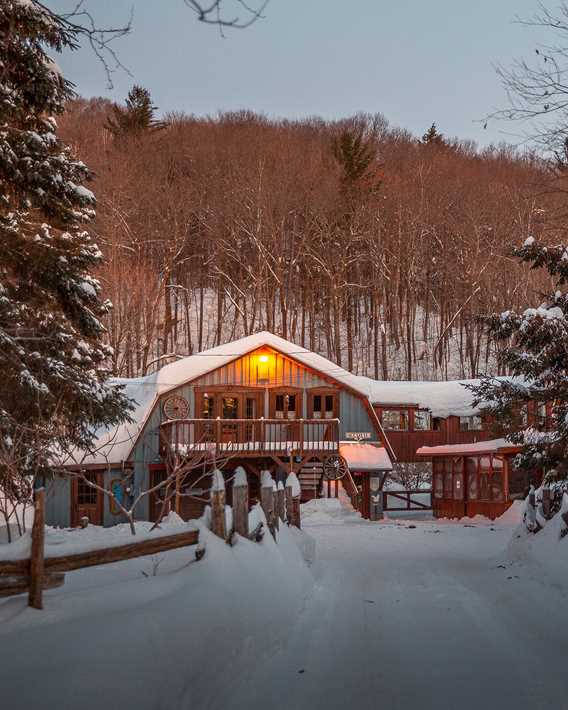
column 414, row 61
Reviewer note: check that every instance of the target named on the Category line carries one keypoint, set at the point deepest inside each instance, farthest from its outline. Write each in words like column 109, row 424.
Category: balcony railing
column 251, row 437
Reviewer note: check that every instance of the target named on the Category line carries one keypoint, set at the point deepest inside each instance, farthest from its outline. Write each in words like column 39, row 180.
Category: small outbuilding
column 476, row 479
column 369, row 466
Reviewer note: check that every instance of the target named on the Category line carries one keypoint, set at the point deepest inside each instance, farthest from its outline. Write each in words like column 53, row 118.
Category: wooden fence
column 36, row 573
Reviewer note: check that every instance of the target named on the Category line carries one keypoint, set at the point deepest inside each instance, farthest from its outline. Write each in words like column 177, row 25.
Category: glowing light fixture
column 263, row 358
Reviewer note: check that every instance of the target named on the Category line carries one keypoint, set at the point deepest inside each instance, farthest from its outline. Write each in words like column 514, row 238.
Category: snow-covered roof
column 365, row 457
column 114, row 446
column 492, row 446
column 443, row 399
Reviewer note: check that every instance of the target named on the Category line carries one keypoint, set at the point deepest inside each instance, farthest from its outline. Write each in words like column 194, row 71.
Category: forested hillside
column 355, row 239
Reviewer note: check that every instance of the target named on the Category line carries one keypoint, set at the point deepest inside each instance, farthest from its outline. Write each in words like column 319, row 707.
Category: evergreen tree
column 433, row 137
column 356, row 154
column 136, row 118
column 52, row 357
column 536, row 356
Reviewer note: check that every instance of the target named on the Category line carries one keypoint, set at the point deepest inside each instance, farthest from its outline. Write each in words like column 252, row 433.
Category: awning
column 365, row 457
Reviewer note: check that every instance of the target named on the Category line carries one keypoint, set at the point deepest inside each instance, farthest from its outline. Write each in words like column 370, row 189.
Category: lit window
column 395, row 419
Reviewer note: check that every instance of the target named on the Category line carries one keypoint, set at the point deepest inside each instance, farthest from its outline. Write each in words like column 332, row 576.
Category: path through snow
column 415, row 617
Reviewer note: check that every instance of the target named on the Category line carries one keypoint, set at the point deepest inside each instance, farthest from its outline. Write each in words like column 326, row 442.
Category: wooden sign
column 358, row 435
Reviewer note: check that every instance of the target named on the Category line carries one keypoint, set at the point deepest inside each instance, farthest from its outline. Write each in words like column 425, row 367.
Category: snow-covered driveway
column 415, row 617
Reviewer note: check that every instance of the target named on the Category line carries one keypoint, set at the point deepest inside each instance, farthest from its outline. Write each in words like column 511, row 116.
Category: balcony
column 250, row 437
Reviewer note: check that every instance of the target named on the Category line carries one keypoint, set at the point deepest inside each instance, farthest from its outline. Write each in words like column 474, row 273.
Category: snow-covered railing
column 259, row 437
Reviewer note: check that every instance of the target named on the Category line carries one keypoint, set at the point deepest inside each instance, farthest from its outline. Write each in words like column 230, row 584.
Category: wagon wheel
column 334, row 468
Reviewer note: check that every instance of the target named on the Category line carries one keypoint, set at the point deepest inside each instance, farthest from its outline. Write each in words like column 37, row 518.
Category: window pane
column 422, row 420
column 208, row 407
column 395, row 419
column 448, row 485
column 471, row 470
column 329, row 403
column 85, row 494
column 230, row 408
column 497, row 486
column 279, row 403
column 473, row 423
column 438, row 485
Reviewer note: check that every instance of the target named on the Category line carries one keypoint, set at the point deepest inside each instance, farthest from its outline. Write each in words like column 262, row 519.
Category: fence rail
column 406, row 497
column 36, row 573
column 258, row 437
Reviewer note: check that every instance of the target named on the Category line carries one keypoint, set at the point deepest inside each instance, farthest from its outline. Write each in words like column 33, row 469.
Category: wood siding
column 406, row 443
column 279, row 371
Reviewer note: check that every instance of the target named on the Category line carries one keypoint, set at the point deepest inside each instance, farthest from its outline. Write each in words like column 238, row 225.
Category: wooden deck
column 251, row 437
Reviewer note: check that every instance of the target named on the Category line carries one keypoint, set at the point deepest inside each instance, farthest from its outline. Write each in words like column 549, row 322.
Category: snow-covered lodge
column 264, row 403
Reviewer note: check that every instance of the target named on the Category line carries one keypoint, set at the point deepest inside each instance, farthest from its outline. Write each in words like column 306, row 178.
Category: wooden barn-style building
column 260, row 402
column 265, row 403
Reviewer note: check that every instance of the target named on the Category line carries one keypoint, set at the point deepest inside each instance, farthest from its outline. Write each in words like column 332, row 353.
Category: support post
column 267, row 499
column 218, row 505
column 240, row 502
column 35, row 597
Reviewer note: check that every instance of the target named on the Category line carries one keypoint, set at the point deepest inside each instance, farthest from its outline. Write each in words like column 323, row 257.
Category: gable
column 263, row 367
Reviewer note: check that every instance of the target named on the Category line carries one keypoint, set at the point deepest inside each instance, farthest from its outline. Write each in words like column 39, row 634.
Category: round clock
column 176, row 407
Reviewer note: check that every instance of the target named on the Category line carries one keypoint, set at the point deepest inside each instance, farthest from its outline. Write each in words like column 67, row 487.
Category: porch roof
column 493, row 446
column 365, row 457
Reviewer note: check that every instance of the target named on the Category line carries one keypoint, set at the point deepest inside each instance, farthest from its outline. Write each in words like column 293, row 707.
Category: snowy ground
column 401, row 614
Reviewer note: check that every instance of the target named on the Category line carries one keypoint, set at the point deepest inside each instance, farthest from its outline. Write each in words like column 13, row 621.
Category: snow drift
column 163, row 631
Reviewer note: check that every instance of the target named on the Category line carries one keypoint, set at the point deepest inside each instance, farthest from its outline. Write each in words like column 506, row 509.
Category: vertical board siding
column 58, row 503
column 282, row 372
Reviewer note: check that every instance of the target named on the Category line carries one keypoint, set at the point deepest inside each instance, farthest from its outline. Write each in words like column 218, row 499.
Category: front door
column 86, row 502
column 230, row 409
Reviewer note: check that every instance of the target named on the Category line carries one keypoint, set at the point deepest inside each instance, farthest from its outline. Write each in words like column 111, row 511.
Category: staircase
column 310, row 478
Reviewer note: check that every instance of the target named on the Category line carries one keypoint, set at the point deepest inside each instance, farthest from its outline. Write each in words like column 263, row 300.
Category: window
column 438, row 479
column 323, row 406
column 230, row 408
column 395, row 419
column 472, row 423
column 85, row 494
column 285, row 405
column 422, row 420
column 541, row 415
column 437, row 423
column 208, row 410
column 471, row 470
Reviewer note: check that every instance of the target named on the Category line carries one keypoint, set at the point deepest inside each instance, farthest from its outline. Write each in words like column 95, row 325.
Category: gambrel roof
column 115, row 445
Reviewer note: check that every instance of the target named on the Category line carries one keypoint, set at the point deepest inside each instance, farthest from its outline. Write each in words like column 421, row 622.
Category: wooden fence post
column 293, row 494
column 531, row 522
column 546, row 502
column 267, row 498
column 218, row 505
column 281, row 501
column 240, row 502
column 275, row 516
column 35, row 599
